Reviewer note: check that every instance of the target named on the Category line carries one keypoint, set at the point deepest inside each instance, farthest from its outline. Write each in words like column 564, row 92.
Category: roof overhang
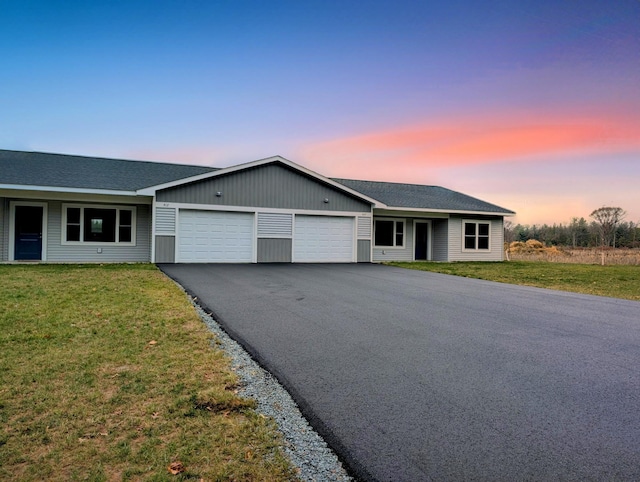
column 391, row 210
column 111, row 192
column 151, row 191
column 62, row 193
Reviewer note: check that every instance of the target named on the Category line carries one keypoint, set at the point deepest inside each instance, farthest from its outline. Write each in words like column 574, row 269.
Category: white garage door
column 215, row 237
column 323, row 239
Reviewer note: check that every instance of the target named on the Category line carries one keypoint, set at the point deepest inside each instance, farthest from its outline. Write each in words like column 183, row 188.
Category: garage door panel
column 321, row 239
column 215, row 237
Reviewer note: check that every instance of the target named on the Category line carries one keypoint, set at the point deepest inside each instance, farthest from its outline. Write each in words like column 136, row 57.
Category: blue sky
column 532, row 105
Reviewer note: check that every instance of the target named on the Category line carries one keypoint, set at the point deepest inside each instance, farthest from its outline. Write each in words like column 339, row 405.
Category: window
column 388, row 233
column 125, row 225
column 476, row 235
column 73, row 224
column 98, row 224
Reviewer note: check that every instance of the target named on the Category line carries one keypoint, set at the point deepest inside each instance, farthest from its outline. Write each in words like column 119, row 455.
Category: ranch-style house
column 65, row 208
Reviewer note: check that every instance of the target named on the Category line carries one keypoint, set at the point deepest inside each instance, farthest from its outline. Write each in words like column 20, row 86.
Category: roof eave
column 76, row 190
column 448, row 211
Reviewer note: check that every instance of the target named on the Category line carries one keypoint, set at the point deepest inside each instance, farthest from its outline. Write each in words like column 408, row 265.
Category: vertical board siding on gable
column 274, row 186
column 456, row 253
column 275, row 225
column 397, row 254
column 440, row 239
column 271, row 250
column 4, row 229
column 57, row 252
column 165, row 220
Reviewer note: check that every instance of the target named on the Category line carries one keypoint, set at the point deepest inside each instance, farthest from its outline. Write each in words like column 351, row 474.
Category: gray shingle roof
column 65, row 171
column 399, row 195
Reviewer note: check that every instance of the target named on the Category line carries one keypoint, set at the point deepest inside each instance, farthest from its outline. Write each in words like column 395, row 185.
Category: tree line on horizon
column 607, row 228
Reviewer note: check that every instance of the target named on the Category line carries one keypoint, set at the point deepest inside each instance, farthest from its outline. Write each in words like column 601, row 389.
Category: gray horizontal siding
column 272, row 185
column 440, row 239
column 56, row 252
column 397, row 254
column 438, row 242
column 274, row 250
column 165, row 249
column 456, row 253
column 275, row 225
column 364, row 251
column 365, row 225
column 165, row 220
column 4, row 229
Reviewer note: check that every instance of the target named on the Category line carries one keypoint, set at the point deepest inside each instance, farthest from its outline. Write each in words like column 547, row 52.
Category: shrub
column 533, row 246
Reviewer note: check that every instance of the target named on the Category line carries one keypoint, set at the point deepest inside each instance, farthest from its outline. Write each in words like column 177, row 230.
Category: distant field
column 617, row 281
column 581, row 256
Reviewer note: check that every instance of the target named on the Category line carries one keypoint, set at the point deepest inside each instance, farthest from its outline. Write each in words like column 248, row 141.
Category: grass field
column 618, row 281
column 107, row 373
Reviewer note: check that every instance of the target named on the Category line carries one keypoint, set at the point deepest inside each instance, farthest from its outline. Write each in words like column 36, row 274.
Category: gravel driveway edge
column 306, row 450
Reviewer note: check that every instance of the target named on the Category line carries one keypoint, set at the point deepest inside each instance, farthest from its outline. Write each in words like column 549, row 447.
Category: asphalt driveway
column 421, row 376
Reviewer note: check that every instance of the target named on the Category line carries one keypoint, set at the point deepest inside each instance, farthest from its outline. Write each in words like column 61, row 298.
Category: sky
column 531, row 105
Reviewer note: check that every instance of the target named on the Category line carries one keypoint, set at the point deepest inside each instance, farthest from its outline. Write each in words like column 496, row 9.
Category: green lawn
column 107, row 373
column 619, row 281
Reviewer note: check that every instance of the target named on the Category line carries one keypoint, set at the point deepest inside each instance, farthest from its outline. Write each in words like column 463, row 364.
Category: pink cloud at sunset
column 400, row 154
column 552, row 191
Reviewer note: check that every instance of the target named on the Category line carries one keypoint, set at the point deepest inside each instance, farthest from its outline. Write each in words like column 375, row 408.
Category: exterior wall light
column 326, row 200
column 218, row 194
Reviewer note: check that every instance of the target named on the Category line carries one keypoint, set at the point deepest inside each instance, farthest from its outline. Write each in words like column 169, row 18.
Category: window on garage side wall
column 388, row 233
column 476, row 235
column 98, row 224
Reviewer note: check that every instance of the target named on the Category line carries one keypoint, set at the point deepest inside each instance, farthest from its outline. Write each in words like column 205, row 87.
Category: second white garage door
column 215, row 237
column 323, row 239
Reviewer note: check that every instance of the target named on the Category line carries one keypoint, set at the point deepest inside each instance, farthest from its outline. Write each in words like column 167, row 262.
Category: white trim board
column 255, row 209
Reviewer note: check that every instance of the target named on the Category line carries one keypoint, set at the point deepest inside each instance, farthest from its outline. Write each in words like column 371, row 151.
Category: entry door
column 28, row 233
column 421, row 241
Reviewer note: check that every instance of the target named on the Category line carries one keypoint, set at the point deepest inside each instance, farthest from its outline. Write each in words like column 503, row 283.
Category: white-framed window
column 98, row 224
column 476, row 235
column 388, row 233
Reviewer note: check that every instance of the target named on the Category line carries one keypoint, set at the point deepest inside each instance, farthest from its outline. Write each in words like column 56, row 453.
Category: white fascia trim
column 153, row 231
column 19, row 187
column 254, row 209
column 150, row 191
column 75, row 197
column 449, row 211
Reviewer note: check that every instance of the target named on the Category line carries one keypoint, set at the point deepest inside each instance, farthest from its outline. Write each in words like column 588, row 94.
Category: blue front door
column 28, row 234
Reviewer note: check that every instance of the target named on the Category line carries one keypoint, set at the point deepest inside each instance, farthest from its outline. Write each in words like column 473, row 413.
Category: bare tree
column 509, row 234
column 607, row 219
